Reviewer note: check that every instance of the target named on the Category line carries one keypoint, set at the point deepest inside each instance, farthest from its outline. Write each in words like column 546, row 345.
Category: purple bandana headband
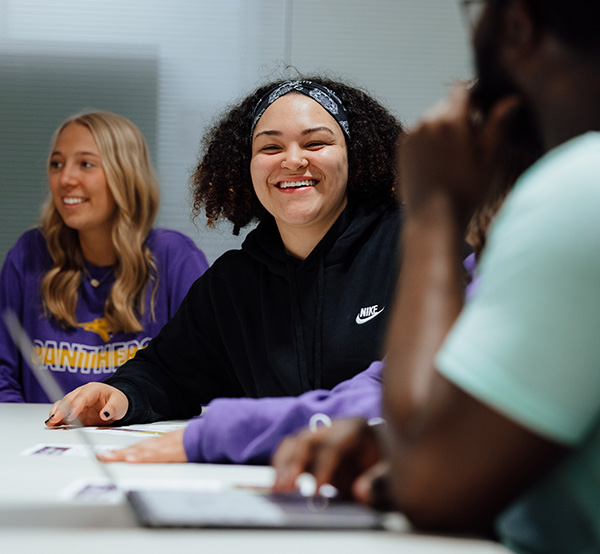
column 319, row 93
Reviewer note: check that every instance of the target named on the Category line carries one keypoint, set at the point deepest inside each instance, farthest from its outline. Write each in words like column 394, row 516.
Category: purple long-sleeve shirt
column 90, row 351
column 248, row 430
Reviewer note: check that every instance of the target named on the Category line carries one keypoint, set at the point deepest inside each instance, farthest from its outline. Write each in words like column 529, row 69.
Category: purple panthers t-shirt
column 91, row 351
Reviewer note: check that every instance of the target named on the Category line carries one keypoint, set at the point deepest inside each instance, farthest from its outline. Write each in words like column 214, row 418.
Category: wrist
column 434, row 227
column 439, row 209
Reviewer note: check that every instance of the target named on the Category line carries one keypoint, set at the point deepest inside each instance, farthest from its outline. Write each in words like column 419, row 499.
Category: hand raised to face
column 453, row 153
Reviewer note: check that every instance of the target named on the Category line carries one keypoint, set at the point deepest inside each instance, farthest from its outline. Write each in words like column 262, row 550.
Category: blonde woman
column 94, row 282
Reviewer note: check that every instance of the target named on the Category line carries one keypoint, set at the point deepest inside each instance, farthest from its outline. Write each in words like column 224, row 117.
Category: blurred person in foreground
column 492, row 407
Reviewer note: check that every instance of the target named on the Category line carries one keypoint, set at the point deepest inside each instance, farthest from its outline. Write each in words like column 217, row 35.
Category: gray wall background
column 172, row 67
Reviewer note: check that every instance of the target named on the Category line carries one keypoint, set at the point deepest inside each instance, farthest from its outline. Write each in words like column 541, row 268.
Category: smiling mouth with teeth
column 296, row 184
column 73, row 201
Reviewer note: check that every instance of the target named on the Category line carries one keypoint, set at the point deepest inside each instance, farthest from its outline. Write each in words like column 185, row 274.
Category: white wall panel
column 204, row 54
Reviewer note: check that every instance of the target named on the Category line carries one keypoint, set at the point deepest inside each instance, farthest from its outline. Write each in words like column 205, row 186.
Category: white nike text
column 368, row 313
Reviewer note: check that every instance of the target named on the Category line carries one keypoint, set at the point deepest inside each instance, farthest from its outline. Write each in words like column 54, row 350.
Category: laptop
column 247, row 507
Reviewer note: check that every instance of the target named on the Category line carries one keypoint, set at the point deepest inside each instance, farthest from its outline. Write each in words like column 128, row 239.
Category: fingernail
column 106, row 414
column 49, row 418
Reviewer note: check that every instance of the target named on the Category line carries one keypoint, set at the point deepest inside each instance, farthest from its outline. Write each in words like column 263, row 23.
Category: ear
column 520, row 32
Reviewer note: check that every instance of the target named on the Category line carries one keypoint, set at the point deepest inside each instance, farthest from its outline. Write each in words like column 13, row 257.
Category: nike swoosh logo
column 361, row 320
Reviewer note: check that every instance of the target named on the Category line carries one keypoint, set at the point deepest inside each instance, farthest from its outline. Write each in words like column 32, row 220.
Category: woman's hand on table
column 91, row 404
column 159, row 450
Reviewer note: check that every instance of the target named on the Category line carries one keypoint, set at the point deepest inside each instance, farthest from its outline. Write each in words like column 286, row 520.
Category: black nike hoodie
column 262, row 323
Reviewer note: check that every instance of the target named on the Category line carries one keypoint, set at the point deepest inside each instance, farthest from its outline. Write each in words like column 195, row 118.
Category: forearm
column 455, row 463
column 429, row 297
column 416, row 399
column 248, row 430
column 151, row 392
column 179, row 370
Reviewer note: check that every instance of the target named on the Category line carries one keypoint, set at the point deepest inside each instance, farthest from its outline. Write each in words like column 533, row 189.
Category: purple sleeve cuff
column 191, row 435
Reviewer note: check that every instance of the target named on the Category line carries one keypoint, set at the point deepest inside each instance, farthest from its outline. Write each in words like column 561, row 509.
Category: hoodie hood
column 264, row 244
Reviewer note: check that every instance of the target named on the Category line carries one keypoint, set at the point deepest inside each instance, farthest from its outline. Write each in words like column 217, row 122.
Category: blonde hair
column 134, row 186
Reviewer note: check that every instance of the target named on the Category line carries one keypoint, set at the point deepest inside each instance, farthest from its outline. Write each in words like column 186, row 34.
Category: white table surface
column 36, row 517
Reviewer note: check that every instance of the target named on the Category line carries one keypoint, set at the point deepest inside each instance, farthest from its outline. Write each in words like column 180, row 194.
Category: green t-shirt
column 528, row 342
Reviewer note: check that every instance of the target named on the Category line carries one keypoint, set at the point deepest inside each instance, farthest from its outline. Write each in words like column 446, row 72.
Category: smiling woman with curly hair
column 303, row 304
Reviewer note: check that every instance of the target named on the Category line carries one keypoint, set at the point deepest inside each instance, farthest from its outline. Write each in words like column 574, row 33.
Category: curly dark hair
column 222, row 186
